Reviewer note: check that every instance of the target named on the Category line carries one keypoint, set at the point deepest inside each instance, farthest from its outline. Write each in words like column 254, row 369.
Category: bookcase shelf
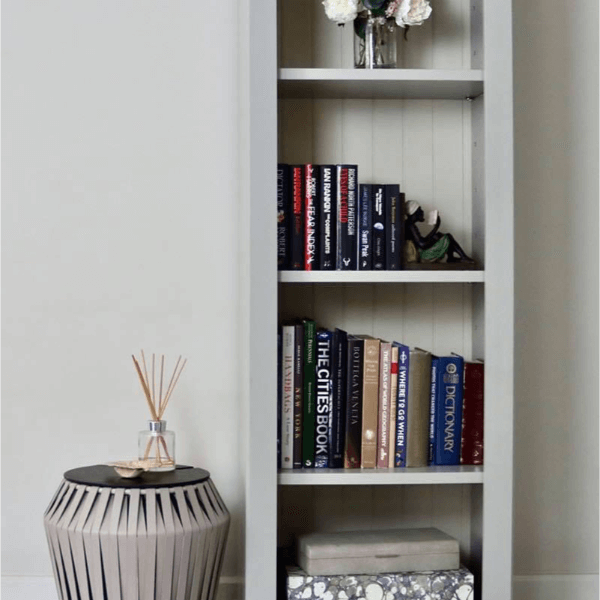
column 424, row 476
column 380, row 84
column 381, row 277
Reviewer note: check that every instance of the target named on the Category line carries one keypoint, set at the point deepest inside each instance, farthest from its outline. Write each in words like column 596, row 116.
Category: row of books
column 355, row 401
column 327, row 221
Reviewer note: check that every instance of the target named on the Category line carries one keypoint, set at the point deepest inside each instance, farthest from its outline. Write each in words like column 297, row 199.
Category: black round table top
column 105, row 476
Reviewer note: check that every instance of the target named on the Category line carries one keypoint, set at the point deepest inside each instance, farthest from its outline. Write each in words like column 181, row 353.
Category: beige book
column 417, row 422
column 368, row 455
column 393, row 407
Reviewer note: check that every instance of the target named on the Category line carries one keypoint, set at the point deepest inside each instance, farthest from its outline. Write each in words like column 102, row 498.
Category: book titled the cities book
column 324, row 398
column 347, row 218
column 297, row 221
column 283, row 216
column 311, row 218
column 327, row 217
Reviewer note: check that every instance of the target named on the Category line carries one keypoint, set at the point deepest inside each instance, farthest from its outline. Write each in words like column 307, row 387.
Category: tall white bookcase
column 440, row 125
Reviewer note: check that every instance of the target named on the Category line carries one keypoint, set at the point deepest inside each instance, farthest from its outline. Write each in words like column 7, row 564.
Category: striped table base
column 158, row 543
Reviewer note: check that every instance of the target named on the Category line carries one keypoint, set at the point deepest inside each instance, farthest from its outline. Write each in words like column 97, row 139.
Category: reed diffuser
column 156, row 445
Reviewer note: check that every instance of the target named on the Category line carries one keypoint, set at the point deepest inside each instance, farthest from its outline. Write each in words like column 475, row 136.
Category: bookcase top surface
column 381, row 276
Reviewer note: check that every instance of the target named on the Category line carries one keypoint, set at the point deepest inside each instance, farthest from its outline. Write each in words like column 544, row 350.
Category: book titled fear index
column 327, row 201
column 297, row 218
column 347, row 217
column 311, row 218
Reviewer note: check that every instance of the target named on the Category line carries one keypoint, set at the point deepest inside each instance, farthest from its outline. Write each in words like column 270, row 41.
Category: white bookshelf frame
column 492, row 487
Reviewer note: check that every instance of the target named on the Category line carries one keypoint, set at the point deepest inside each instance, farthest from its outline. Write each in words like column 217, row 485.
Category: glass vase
column 157, row 446
column 374, row 42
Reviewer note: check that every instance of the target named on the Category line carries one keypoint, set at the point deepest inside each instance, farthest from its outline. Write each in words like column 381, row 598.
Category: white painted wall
column 120, row 233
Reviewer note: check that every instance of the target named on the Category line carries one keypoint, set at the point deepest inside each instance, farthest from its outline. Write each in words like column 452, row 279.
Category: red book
column 471, row 450
column 310, row 217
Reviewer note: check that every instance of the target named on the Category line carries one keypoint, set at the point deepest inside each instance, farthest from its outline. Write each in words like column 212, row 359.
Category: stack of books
column 355, row 401
column 327, row 221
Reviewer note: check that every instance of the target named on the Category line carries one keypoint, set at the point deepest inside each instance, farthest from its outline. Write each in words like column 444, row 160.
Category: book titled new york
column 298, row 393
column 324, row 402
column 308, row 408
column 327, row 202
column 379, row 221
column 419, row 390
column 287, row 394
column 402, row 404
column 365, row 231
column 347, row 218
column 368, row 450
column 297, row 218
column 383, row 424
column 392, row 227
column 393, row 406
column 354, row 392
column 283, row 216
column 311, row 218
column 448, row 412
column 472, row 421
column 435, row 363
column 338, row 406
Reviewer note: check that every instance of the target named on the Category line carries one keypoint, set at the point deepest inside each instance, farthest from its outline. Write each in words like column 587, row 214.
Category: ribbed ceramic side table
column 158, row 537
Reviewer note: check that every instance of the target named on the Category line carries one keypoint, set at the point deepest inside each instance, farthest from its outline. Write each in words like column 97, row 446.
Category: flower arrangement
column 406, row 13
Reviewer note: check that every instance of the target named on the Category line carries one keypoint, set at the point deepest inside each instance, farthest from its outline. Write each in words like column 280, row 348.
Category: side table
column 157, row 537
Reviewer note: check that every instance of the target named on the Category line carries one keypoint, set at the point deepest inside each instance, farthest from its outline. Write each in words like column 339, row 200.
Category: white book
column 287, row 397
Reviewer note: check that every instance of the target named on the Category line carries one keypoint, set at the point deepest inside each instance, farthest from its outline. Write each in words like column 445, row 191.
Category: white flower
column 341, row 11
column 412, row 12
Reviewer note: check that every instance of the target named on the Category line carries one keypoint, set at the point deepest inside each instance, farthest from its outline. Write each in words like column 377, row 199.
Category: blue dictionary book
column 435, row 366
column 324, row 377
column 448, row 419
column 365, row 215
column 338, row 407
column 401, row 404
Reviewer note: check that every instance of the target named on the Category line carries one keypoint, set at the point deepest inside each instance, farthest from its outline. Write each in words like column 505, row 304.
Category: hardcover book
column 327, row 202
column 392, row 227
column 472, row 426
column 393, row 406
column 347, row 218
column 432, row 407
column 338, row 412
column 308, row 424
column 287, row 408
column 279, row 394
column 448, row 412
column 283, row 216
column 324, row 398
column 383, row 424
column 353, row 436
column 417, row 451
column 298, row 393
column 297, row 214
column 365, row 211
column 370, row 395
column 402, row 404
column 379, row 220
column 311, row 218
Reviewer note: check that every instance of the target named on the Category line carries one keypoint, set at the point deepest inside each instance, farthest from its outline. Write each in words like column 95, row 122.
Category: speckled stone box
column 456, row 584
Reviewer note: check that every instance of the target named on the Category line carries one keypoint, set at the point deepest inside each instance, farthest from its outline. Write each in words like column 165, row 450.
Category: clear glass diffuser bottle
column 157, row 445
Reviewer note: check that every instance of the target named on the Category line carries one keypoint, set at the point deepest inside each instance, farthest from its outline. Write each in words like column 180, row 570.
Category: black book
column 392, row 227
column 327, row 202
column 365, row 229
column 401, row 232
column 297, row 218
column 354, row 381
column 379, row 221
column 311, row 217
column 283, row 216
column 298, row 394
column 347, row 217
column 324, row 398
column 338, row 408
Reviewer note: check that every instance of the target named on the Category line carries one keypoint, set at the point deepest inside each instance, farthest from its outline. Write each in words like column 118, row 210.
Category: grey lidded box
column 375, row 552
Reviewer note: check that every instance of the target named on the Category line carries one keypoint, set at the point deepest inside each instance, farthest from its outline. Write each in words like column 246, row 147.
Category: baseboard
column 43, row 588
column 555, row 587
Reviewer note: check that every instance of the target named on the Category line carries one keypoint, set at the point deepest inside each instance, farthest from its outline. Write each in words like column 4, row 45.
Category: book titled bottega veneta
column 356, row 401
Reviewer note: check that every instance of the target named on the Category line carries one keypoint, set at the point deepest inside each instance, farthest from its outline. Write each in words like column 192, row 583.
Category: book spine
column 327, row 217
column 298, row 393
column 379, row 260
column 393, row 407
column 352, row 440
column 449, row 410
column 287, row 407
column 435, row 361
column 324, row 398
column 392, row 250
column 308, row 417
column 297, row 212
column 402, row 405
column 383, row 424
column 365, row 246
column 370, row 404
column 419, row 391
column 311, row 216
column 279, row 394
column 283, row 216
column 338, row 412
column 472, row 429
column 401, row 233
column 347, row 192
